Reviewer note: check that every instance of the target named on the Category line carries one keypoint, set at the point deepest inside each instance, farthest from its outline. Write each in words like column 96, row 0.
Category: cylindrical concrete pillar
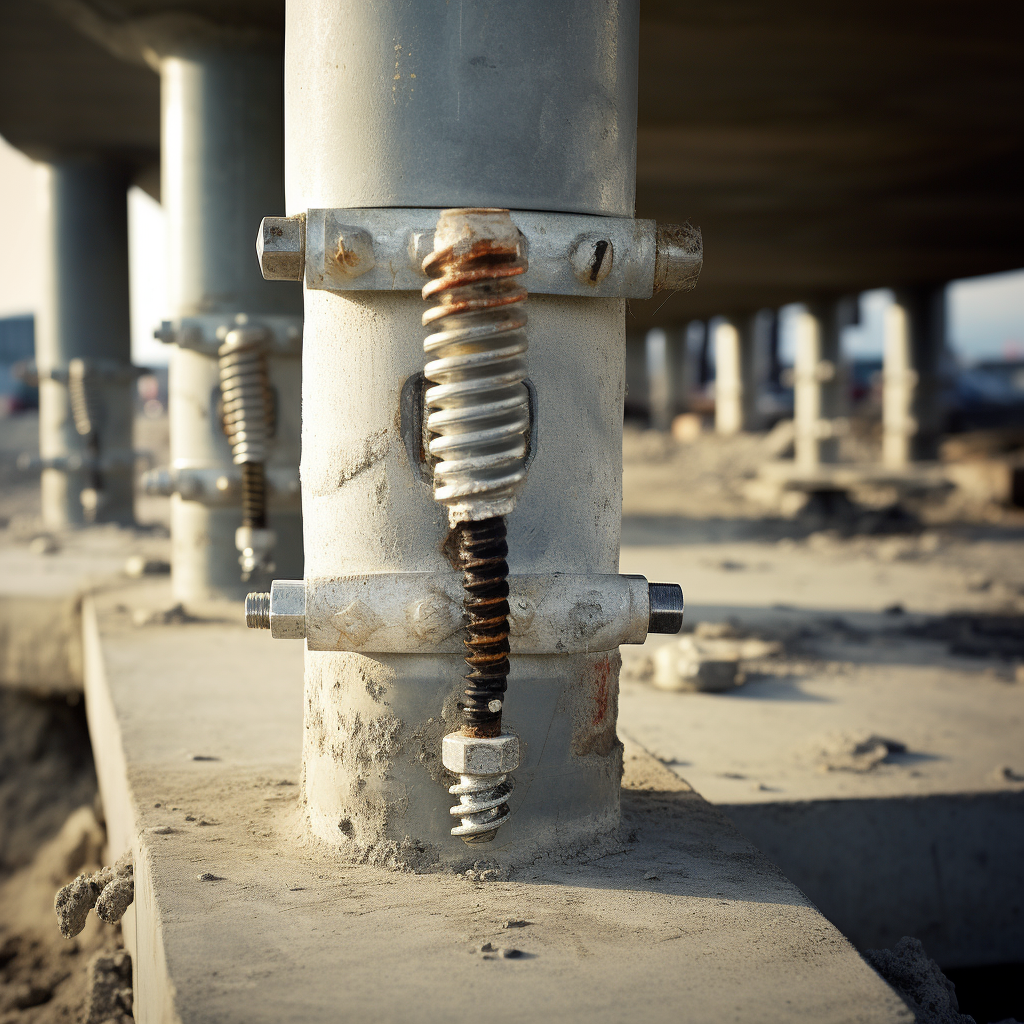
column 915, row 338
column 817, row 382
column 661, row 397
column 222, row 172
column 83, row 347
column 735, row 342
column 522, row 106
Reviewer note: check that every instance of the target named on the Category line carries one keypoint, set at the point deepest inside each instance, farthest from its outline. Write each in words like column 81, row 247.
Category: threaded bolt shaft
column 257, row 611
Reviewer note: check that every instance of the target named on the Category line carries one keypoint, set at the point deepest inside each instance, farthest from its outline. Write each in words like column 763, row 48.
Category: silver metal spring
column 479, row 406
column 482, row 806
column 245, row 389
column 85, row 390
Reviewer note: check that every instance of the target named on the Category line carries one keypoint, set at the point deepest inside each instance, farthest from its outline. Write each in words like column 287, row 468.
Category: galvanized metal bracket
column 219, row 486
column 207, row 333
column 422, row 613
column 569, row 254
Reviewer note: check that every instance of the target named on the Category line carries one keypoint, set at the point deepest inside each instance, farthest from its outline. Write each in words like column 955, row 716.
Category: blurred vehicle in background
column 986, row 396
column 17, row 348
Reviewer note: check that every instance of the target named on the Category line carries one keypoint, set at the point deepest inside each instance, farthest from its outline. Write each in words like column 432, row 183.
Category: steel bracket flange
column 569, row 254
column 422, row 613
column 207, row 333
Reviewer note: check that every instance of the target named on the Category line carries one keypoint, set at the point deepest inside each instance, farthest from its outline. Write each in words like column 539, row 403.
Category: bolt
column 591, row 259
column 281, row 248
column 678, row 257
column 666, row 608
column 257, row 611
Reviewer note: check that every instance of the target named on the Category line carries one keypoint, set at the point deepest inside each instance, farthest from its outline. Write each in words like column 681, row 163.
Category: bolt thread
column 481, row 550
column 257, row 611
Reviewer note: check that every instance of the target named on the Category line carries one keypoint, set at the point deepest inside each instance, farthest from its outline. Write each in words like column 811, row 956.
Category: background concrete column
column 661, row 379
column 735, row 381
column 222, row 172
column 85, row 317
column 915, row 339
column 818, row 399
column 518, row 105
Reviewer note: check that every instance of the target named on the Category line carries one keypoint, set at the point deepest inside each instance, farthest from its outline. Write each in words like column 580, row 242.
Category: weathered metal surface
column 383, row 249
column 422, row 613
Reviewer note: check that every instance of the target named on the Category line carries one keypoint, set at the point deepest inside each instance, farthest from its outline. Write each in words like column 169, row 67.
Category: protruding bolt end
column 666, row 608
column 678, row 257
column 257, row 611
column 281, row 248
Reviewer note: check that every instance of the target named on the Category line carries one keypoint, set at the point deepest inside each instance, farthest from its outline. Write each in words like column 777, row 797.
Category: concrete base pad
column 197, row 729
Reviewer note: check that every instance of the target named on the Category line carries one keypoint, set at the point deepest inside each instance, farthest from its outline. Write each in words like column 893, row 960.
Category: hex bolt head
column 281, row 248
column 473, row 755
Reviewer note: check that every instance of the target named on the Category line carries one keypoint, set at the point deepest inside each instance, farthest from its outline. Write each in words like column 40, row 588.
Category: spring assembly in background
column 478, row 412
column 247, row 416
column 85, row 392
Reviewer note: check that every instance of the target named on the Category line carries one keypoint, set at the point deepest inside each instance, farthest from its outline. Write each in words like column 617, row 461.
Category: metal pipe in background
column 520, row 106
column 83, row 347
column 222, row 171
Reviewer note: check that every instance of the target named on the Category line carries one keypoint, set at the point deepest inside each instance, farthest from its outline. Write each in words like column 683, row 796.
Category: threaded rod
column 257, row 611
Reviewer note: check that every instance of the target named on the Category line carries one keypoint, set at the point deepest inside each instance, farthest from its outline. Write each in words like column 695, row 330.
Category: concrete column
column 818, row 382
column 222, row 172
column 83, row 347
column 661, row 397
column 520, row 106
column 735, row 382
column 915, row 338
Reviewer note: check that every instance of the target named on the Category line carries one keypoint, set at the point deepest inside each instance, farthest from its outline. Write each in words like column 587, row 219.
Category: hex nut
column 288, row 609
column 281, row 248
column 472, row 755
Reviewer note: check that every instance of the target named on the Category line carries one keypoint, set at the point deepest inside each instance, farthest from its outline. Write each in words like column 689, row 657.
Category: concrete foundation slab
column 197, row 732
column 926, row 840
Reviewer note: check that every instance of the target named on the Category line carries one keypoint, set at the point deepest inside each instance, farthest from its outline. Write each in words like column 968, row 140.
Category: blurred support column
column 915, row 338
column 818, row 397
column 223, row 171
column 735, row 386
column 83, row 347
column 660, row 379
column 690, row 342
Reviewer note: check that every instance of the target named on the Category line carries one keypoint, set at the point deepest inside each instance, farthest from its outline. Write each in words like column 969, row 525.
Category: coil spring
column 481, row 806
column 481, row 550
column 85, row 393
column 247, row 415
column 478, row 408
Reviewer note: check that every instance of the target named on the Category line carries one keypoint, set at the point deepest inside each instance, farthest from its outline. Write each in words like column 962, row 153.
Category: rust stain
column 602, row 673
column 346, row 257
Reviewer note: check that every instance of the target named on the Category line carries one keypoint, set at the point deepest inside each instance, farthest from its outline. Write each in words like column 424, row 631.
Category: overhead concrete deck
column 197, row 733
column 822, row 149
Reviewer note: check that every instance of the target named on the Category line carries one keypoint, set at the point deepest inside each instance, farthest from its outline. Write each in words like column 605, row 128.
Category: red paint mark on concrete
column 602, row 673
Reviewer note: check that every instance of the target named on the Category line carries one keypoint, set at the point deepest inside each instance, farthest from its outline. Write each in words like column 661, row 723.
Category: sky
column 986, row 314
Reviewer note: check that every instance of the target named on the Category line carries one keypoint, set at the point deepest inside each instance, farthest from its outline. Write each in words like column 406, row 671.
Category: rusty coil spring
column 478, row 408
column 480, row 551
column 247, row 416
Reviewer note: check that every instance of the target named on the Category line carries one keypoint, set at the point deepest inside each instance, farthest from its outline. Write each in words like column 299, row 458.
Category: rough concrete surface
column 877, row 757
column 676, row 917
